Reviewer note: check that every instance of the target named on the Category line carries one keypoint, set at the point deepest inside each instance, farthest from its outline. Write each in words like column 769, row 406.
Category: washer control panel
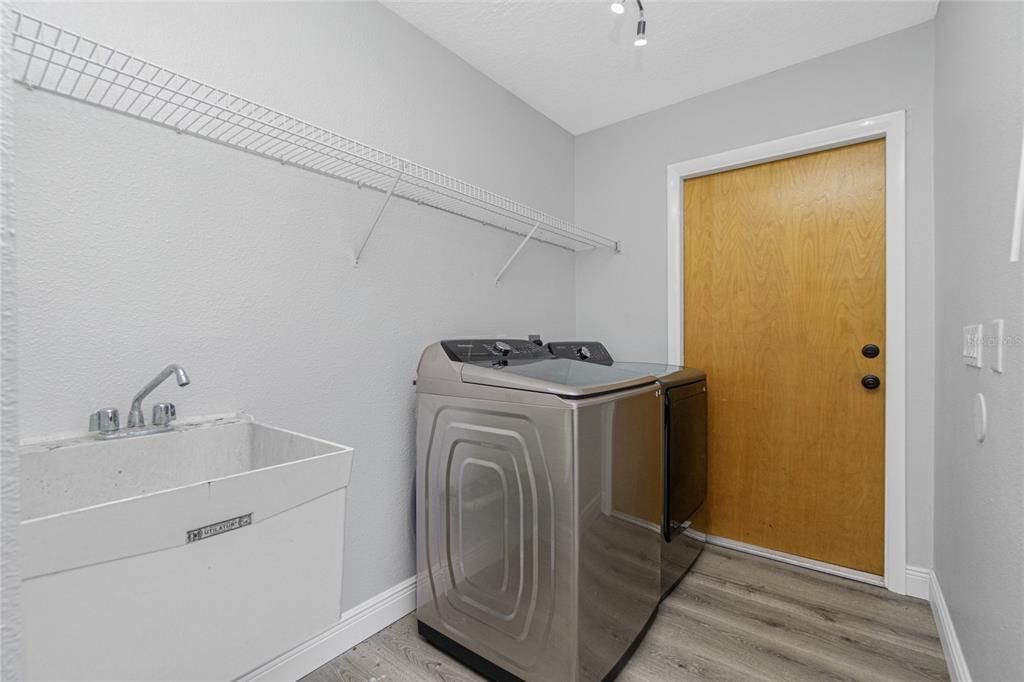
column 480, row 350
column 587, row 351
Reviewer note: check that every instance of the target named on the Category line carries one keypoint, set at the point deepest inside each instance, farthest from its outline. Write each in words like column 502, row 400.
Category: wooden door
column 784, row 284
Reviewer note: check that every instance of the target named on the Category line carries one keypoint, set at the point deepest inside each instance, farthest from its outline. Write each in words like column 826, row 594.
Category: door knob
column 870, row 351
column 870, row 382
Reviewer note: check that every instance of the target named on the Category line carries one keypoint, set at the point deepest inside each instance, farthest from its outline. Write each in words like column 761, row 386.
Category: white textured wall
column 139, row 247
column 10, row 585
column 620, row 191
column 979, row 487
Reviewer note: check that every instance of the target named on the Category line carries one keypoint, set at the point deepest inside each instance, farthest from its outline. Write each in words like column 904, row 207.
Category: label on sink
column 209, row 531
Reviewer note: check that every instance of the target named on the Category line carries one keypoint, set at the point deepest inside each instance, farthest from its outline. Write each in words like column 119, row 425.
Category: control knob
column 583, row 353
column 502, row 348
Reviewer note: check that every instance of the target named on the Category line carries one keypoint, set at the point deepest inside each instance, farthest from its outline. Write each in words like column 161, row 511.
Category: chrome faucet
column 135, row 418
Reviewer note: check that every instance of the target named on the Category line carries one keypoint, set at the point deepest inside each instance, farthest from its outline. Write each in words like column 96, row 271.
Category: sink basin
column 199, row 552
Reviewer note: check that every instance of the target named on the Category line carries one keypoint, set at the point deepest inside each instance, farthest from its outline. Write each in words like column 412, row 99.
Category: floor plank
column 734, row 617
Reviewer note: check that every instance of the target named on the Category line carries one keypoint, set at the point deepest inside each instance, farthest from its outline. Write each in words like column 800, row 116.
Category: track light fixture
column 641, row 25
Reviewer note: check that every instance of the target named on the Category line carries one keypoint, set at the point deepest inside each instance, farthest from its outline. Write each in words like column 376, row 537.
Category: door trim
column 892, row 127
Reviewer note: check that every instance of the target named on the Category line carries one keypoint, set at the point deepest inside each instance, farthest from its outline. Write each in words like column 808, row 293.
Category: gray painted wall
column 620, row 191
column 979, row 487
column 139, row 247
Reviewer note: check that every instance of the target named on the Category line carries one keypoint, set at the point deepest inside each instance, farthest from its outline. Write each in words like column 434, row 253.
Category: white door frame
column 892, row 127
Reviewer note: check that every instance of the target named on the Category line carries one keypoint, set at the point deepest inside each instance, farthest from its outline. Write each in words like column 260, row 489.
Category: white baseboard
column 794, row 560
column 356, row 625
column 919, row 582
column 955, row 660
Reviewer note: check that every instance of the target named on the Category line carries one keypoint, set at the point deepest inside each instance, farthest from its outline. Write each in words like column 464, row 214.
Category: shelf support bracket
column 515, row 253
column 380, row 212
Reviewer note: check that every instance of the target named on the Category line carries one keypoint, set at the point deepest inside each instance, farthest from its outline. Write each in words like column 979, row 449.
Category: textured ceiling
column 576, row 63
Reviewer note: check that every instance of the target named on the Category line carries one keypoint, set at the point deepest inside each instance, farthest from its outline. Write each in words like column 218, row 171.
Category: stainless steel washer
column 685, row 451
column 538, row 509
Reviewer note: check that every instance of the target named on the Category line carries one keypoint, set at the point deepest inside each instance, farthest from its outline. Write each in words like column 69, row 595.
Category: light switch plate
column 997, row 346
column 973, row 344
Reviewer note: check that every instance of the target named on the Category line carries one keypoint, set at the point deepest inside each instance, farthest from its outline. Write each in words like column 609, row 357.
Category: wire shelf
column 53, row 59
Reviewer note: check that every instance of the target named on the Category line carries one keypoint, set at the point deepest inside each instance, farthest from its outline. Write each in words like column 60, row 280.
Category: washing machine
column 684, row 451
column 538, row 509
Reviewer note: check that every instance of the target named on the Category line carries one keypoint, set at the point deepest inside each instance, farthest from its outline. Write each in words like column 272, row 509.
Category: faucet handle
column 163, row 414
column 106, row 420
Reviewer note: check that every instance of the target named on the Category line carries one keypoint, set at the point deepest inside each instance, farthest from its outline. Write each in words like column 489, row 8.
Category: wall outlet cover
column 973, row 343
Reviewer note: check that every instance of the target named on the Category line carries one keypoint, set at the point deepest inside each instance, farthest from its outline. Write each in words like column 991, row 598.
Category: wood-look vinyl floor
column 734, row 617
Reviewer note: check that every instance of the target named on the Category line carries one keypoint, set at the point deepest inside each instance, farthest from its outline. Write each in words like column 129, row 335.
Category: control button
column 583, row 353
column 501, row 348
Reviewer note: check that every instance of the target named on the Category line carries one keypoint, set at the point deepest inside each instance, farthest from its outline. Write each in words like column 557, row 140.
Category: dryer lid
column 558, row 376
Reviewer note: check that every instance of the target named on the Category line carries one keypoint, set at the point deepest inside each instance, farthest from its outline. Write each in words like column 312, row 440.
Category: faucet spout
column 135, row 417
column 179, row 375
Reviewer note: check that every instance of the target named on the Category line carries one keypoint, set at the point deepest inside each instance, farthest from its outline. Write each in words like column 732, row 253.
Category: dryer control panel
column 587, row 351
column 488, row 350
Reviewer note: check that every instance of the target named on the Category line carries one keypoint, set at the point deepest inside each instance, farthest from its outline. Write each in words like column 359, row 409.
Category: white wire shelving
column 52, row 59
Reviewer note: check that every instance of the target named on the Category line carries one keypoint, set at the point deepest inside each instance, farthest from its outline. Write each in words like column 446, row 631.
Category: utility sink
column 201, row 552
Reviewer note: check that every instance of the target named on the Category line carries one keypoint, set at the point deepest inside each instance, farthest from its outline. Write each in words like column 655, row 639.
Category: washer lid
column 558, row 376
column 668, row 375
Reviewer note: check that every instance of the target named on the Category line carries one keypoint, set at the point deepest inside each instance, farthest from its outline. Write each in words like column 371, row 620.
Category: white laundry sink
column 198, row 553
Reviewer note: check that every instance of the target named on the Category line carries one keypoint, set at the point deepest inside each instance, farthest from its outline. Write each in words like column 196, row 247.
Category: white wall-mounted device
column 980, row 418
column 996, row 341
column 1018, row 210
column 973, row 343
